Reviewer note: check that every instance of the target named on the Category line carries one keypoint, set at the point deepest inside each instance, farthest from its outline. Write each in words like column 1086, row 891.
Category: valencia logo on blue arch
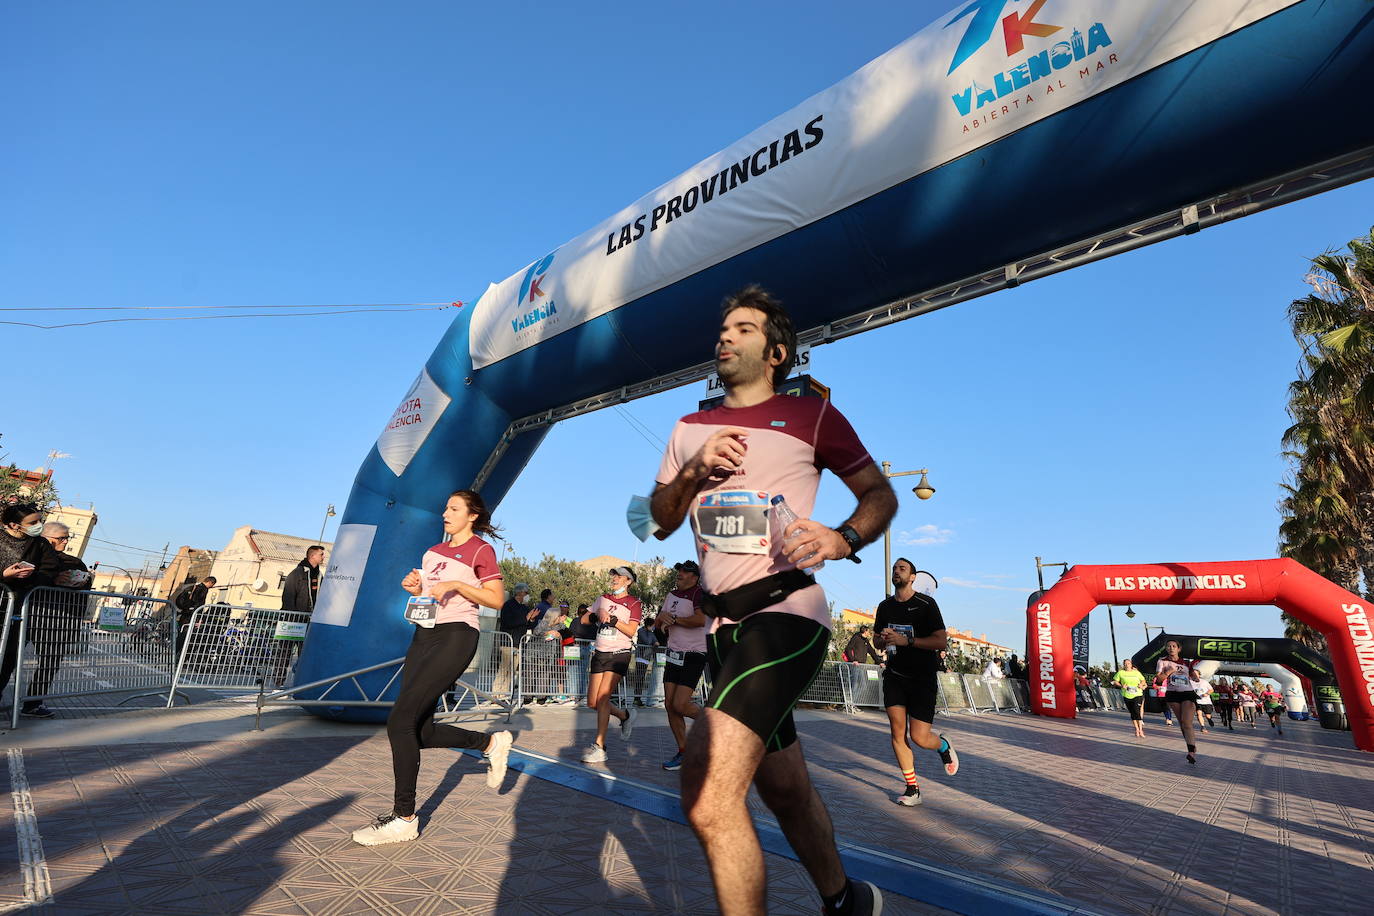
column 534, row 304
column 1015, row 28
column 530, row 285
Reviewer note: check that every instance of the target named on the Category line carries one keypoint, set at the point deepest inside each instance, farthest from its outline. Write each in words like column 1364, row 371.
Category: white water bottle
column 784, row 516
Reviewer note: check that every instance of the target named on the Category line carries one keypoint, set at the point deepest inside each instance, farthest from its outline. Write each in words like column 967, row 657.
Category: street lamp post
column 1116, row 659
column 1039, row 571
column 923, row 490
column 328, row 514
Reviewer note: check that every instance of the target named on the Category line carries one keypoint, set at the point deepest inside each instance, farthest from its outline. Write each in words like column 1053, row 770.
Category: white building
column 252, row 568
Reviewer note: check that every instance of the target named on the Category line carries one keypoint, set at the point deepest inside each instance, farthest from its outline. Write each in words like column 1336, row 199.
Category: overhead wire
column 329, row 312
column 638, row 426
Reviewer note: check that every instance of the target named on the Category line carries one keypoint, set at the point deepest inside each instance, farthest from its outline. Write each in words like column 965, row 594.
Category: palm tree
column 1328, row 512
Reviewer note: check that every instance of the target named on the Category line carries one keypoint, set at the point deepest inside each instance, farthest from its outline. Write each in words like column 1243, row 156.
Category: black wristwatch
column 851, row 537
column 613, row 620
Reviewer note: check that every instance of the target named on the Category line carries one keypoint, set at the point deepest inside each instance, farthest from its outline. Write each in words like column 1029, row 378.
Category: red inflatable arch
column 1341, row 616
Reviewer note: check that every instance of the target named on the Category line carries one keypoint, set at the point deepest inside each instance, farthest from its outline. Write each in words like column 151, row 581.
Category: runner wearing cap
column 770, row 628
column 685, row 623
column 616, row 618
column 455, row 577
column 912, row 631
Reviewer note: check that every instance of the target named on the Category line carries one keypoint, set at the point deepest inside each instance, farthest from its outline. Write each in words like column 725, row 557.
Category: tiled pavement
column 259, row 823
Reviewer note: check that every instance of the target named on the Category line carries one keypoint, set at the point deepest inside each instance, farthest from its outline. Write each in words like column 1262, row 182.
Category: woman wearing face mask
column 27, row 561
column 616, row 616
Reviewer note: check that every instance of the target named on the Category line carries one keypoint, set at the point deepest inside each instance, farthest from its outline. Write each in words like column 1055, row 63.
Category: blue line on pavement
column 939, row 885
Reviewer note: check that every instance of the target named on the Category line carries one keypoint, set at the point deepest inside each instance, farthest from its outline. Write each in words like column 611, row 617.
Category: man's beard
column 742, row 369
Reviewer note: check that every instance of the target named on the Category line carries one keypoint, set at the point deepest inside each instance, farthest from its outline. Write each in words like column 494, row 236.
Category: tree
column 569, row 581
column 572, row 583
column 656, row 580
column 1328, row 507
column 16, row 487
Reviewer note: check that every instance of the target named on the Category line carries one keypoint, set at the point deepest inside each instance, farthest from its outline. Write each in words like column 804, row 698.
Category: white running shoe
column 594, row 754
column 496, row 753
column 911, row 797
column 627, row 728
column 388, row 829
column 948, row 757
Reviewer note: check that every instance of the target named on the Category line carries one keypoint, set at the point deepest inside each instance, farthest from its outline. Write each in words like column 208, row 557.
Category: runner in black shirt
column 909, row 625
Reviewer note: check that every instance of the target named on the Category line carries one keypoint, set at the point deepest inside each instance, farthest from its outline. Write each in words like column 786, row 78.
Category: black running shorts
column 1180, row 696
column 687, row 671
column 1136, row 706
column 760, row 668
column 917, row 694
column 614, row 662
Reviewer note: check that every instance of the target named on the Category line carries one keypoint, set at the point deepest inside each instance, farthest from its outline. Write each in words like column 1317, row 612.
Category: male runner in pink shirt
column 770, row 627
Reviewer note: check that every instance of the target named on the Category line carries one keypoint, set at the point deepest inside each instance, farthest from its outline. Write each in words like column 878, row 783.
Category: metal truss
column 1274, row 192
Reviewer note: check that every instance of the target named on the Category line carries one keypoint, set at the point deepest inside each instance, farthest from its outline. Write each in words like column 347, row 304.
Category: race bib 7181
column 733, row 521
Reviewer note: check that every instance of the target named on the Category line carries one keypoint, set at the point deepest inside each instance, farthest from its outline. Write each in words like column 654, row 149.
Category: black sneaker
column 37, row 711
column 911, row 797
column 868, row 900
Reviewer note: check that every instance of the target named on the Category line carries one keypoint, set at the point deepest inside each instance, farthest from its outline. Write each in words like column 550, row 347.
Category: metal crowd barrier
column 866, row 687
column 79, row 643
column 951, row 694
column 238, row 647
column 834, row 685
column 467, row 697
column 9, row 615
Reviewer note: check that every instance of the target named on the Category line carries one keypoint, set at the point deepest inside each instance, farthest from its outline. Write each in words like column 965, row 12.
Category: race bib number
column 422, row 611
column 733, row 521
column 674, row 657
column 1179, row 681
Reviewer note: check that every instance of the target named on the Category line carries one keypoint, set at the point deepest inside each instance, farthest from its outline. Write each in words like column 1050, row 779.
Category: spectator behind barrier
column 1015, row 669
column 186, row 601
column 27, row 561
column 549, row 614
column 859, row 644
column 303, row 583
column 298, row 594
column 56, row 621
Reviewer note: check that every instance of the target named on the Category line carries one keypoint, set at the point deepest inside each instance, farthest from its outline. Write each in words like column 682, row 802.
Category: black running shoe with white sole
column 868, row 900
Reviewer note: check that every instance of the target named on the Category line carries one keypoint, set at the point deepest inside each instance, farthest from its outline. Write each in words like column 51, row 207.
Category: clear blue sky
column 172, row 154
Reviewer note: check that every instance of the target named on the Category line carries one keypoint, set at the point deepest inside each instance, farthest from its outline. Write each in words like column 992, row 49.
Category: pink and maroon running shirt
column 472, row 563
column 790, row 441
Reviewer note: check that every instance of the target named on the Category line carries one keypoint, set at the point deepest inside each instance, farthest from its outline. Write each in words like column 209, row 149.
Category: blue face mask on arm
column 640, row 517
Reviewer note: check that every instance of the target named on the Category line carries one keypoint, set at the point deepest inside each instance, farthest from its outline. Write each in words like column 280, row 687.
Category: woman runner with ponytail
column 458, row 574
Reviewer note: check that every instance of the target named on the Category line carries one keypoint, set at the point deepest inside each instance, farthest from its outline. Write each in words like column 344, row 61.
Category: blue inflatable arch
column 984, row 151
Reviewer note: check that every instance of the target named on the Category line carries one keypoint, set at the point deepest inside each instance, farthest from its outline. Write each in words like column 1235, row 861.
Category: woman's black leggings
column 436, row 658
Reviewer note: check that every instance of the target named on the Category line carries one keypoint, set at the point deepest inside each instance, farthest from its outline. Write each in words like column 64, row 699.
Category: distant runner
column 1203, row 689
column 685, row 623
column 616, row 617
column 1225, row 703
column 912, row 631
column 1132, row 684
column 1273, row 706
